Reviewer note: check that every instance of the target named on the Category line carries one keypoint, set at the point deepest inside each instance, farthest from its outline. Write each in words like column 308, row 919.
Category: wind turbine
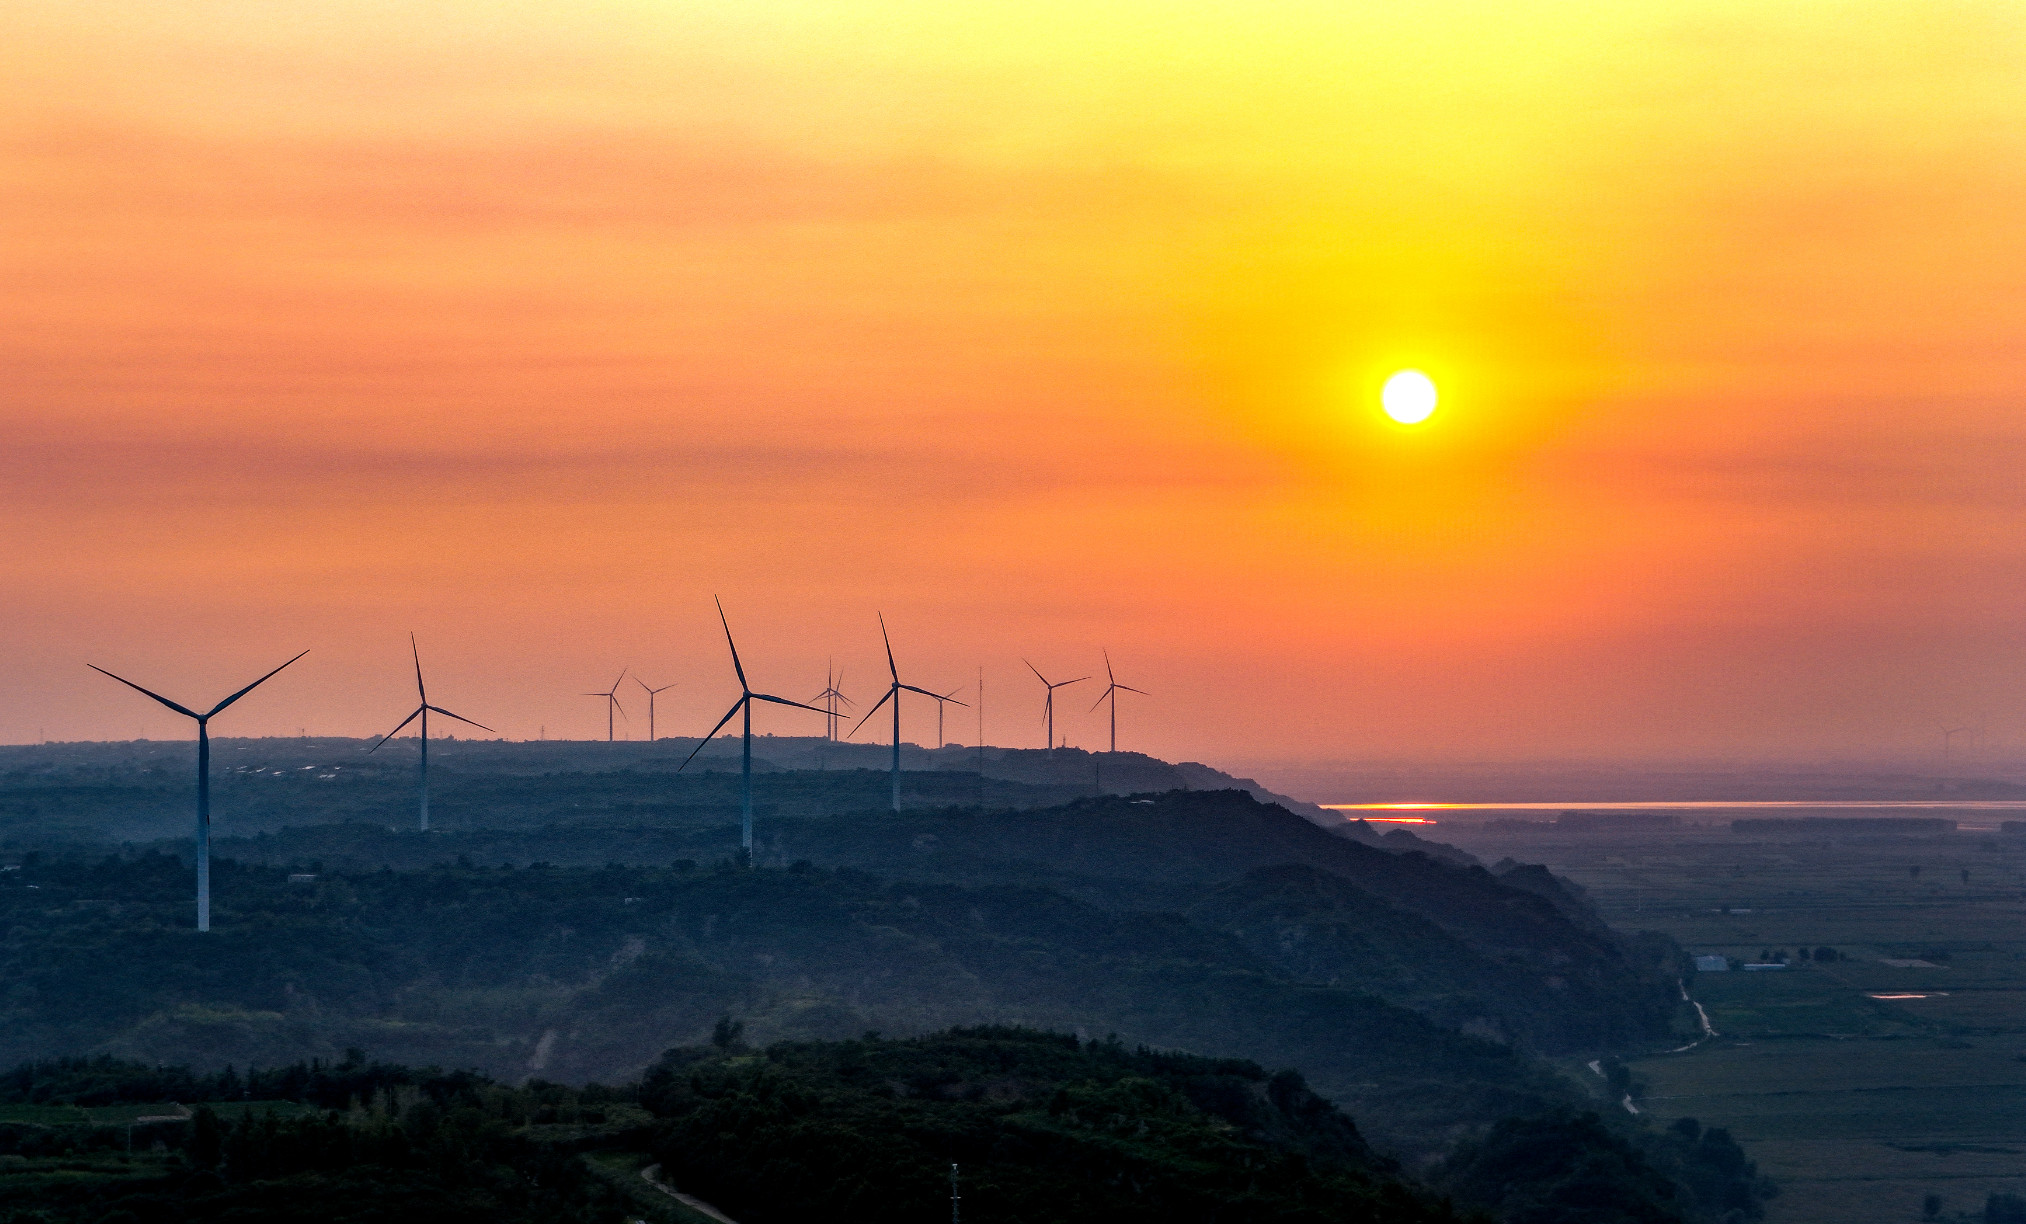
column 893, row 692
column 1112, row 690
column 611, row 697
column 830, row 697
column 942, row 700
column 1948, row 735
column 650, row 703
column 745, row 702
column 203, row 778
column 422, row 712
column 1048, row 705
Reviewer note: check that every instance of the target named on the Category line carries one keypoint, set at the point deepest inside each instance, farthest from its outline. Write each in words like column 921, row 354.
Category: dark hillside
column 585, row 974
column 1312, row 926
column 1166, row 851
column 1517, row 955
column 1041, row 1127
column 107, row 793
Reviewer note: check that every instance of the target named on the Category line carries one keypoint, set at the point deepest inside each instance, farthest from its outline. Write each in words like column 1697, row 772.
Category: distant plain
column 1859, row 1107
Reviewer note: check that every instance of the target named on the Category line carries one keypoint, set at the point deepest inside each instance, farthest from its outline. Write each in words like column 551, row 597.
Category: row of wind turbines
column 831, row 695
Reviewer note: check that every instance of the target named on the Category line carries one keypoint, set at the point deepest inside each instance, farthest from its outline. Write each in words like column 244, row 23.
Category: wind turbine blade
column 1107, row 668
column 621, row 678
column 1066, row 683
column 137, row 688
column 417, row 652
column 249, row 688
column 924, row 692
column 461, row 718
column 614, row 699
column 404, row 722
column 736, row 705
column 889, row 648
column 1036, row 671
column 784, row 701
column 1100, row 698
column 736, row 665
column 869, row 713
column 643, row 684
column 1130, row 689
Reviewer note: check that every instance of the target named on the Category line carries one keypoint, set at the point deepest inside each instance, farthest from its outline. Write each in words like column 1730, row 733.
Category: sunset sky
column 1043, row 329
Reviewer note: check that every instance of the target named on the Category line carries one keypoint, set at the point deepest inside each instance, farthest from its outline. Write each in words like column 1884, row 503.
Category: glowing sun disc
column 1409, row 397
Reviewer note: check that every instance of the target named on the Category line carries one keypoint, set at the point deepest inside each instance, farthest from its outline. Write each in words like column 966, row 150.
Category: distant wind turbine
column 942, row 700
column 893, row 693
column 745, row 702
column 650, row 703
column 611, row 697
column 1112, row 690
column 1048, row 704
column 1949, row 734
column 422, row 712
column 831, row 697
column 203, row 778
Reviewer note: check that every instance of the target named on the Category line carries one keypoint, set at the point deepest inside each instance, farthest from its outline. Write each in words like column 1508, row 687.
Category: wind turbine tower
column 1048, row 703
column 893, row 693
column 745, row 703
column 611, row 697
column 650, row 703
column 422, row 712
column 942, row 700
column 1112, row 690
column 831, row 697
column 203, row 777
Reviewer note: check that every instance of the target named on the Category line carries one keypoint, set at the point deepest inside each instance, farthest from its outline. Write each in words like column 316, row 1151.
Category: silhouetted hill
column 1525, row 957
column 107, row 793
column 1166, row 851
column 588, row 973
column 1041, row 1127
column 1312, row 926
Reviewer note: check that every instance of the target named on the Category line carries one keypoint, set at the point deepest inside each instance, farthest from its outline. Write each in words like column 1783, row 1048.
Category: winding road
column 652, row 1176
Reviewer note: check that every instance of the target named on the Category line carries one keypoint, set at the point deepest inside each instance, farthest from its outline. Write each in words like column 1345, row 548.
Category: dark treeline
column 1043, row 1127
column 105, row 1080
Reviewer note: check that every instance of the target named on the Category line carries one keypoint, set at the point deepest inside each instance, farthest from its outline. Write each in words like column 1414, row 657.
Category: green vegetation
column 1042, row 1127
column 353, row 1142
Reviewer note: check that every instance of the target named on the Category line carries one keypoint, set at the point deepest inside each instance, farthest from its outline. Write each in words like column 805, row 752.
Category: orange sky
column 1042, row 329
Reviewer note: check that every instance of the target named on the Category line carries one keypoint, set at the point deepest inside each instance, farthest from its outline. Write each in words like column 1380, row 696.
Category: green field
column 1858, row 1106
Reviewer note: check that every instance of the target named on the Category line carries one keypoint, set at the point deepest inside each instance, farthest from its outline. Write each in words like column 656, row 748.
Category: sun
column 1409, row 397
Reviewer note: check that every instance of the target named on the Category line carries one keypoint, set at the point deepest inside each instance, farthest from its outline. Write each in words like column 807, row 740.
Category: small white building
column 1712, row 964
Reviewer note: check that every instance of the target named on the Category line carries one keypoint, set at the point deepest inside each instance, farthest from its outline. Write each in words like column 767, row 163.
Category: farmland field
column 1860, row 1106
